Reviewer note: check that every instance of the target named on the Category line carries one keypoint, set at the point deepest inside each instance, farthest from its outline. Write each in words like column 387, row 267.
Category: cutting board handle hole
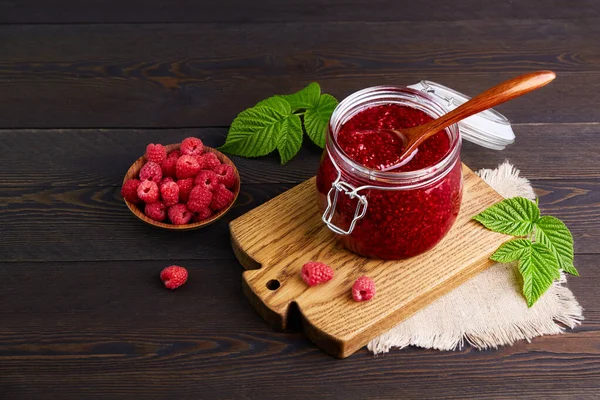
column 273, row 284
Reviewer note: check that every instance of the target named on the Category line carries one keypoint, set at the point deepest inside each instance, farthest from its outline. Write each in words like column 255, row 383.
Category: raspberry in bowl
column 181, row 186
column 377, row 207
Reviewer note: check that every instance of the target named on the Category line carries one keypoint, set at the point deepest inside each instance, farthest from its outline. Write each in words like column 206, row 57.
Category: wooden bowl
column 134, row 171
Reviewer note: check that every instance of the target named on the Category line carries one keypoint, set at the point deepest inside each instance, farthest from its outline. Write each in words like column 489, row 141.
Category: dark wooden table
column 85, row 85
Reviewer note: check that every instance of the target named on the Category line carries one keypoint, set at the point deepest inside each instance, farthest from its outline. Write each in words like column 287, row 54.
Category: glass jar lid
column 488, row 128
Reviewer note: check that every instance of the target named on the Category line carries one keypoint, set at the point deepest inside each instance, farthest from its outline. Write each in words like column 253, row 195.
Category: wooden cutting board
column 274, row 240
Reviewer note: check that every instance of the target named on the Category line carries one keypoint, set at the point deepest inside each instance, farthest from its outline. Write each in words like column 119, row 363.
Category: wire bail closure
column 348, row 190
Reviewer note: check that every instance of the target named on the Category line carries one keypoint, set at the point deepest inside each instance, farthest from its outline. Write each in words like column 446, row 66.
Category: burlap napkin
column 489, row 310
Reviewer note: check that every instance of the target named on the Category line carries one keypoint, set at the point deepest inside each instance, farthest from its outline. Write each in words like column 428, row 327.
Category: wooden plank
column 68, row 323
column 53, row 223
column 90, row 223
column 128, row 11
column 182, row 75
column 79, row 157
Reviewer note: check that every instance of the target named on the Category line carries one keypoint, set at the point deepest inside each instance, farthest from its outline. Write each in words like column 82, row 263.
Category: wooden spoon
column 505, row 91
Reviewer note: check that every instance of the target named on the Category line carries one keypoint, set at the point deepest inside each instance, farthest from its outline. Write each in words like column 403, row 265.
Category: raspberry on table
column 200, row 198
column 185, row 188
column 207, row 179
column 174, row 154
column 210, row 161
column 222, row 197
column 148, row 192
column 156, row 153
column 169, row 192
column 179, row 214
column 191, row 146
column 314, row 273
column 157, row 211
column 226, row 175
column 202, row 215
column 363, row 289
column 186, row 167
column 173, row 276
column 151, row 171
column 129, row 191
column 169, row 167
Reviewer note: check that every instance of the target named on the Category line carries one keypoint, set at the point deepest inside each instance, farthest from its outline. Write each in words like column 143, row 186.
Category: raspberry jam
column 407, row 210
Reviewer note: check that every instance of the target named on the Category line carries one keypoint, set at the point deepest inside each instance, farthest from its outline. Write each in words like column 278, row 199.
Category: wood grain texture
column 111, row 11
column 82, row 313
column 69, row 330
column 287, row 232
column 182, row 75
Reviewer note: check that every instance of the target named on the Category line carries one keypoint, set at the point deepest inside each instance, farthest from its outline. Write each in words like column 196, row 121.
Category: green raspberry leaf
column 512, row 250
column 276, row 104
column 539, row 268
column 305, row 98
column 555, row 235
column 316, row 119
column 289, row 140
column 514, row 216
column 254, row 132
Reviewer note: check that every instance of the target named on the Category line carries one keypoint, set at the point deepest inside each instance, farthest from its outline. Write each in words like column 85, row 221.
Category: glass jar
column 388, row 214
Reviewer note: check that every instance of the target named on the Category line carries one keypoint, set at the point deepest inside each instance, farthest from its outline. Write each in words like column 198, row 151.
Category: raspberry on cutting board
column 314, row 273
column 363, row 289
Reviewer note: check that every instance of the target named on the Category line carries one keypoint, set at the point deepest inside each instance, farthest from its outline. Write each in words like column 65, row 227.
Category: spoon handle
column 498, row 94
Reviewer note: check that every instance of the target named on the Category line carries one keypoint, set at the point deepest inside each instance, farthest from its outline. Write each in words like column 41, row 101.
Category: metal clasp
column 350, row 191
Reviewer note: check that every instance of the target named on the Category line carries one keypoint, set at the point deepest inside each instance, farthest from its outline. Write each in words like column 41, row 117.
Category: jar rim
column 364, row 98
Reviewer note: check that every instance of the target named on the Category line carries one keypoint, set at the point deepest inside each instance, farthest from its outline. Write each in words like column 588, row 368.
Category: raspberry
column 191, row 146
column 165, row 180
column 151, row 171
column 169, row 167
column 170, row 193
column 179, row 214
column 157, row 211
column 148, row 192
column 186, row 167
column 211, row 161
column 314, row 273
column 173, row 276
column 226, row 175
column 129, row 191
column 185, row 188
column 200, row 198
column 207, row 179
column 363, row 289
column 174, row 154
column 221, row 198
column 202, row 215
column 156, row 153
